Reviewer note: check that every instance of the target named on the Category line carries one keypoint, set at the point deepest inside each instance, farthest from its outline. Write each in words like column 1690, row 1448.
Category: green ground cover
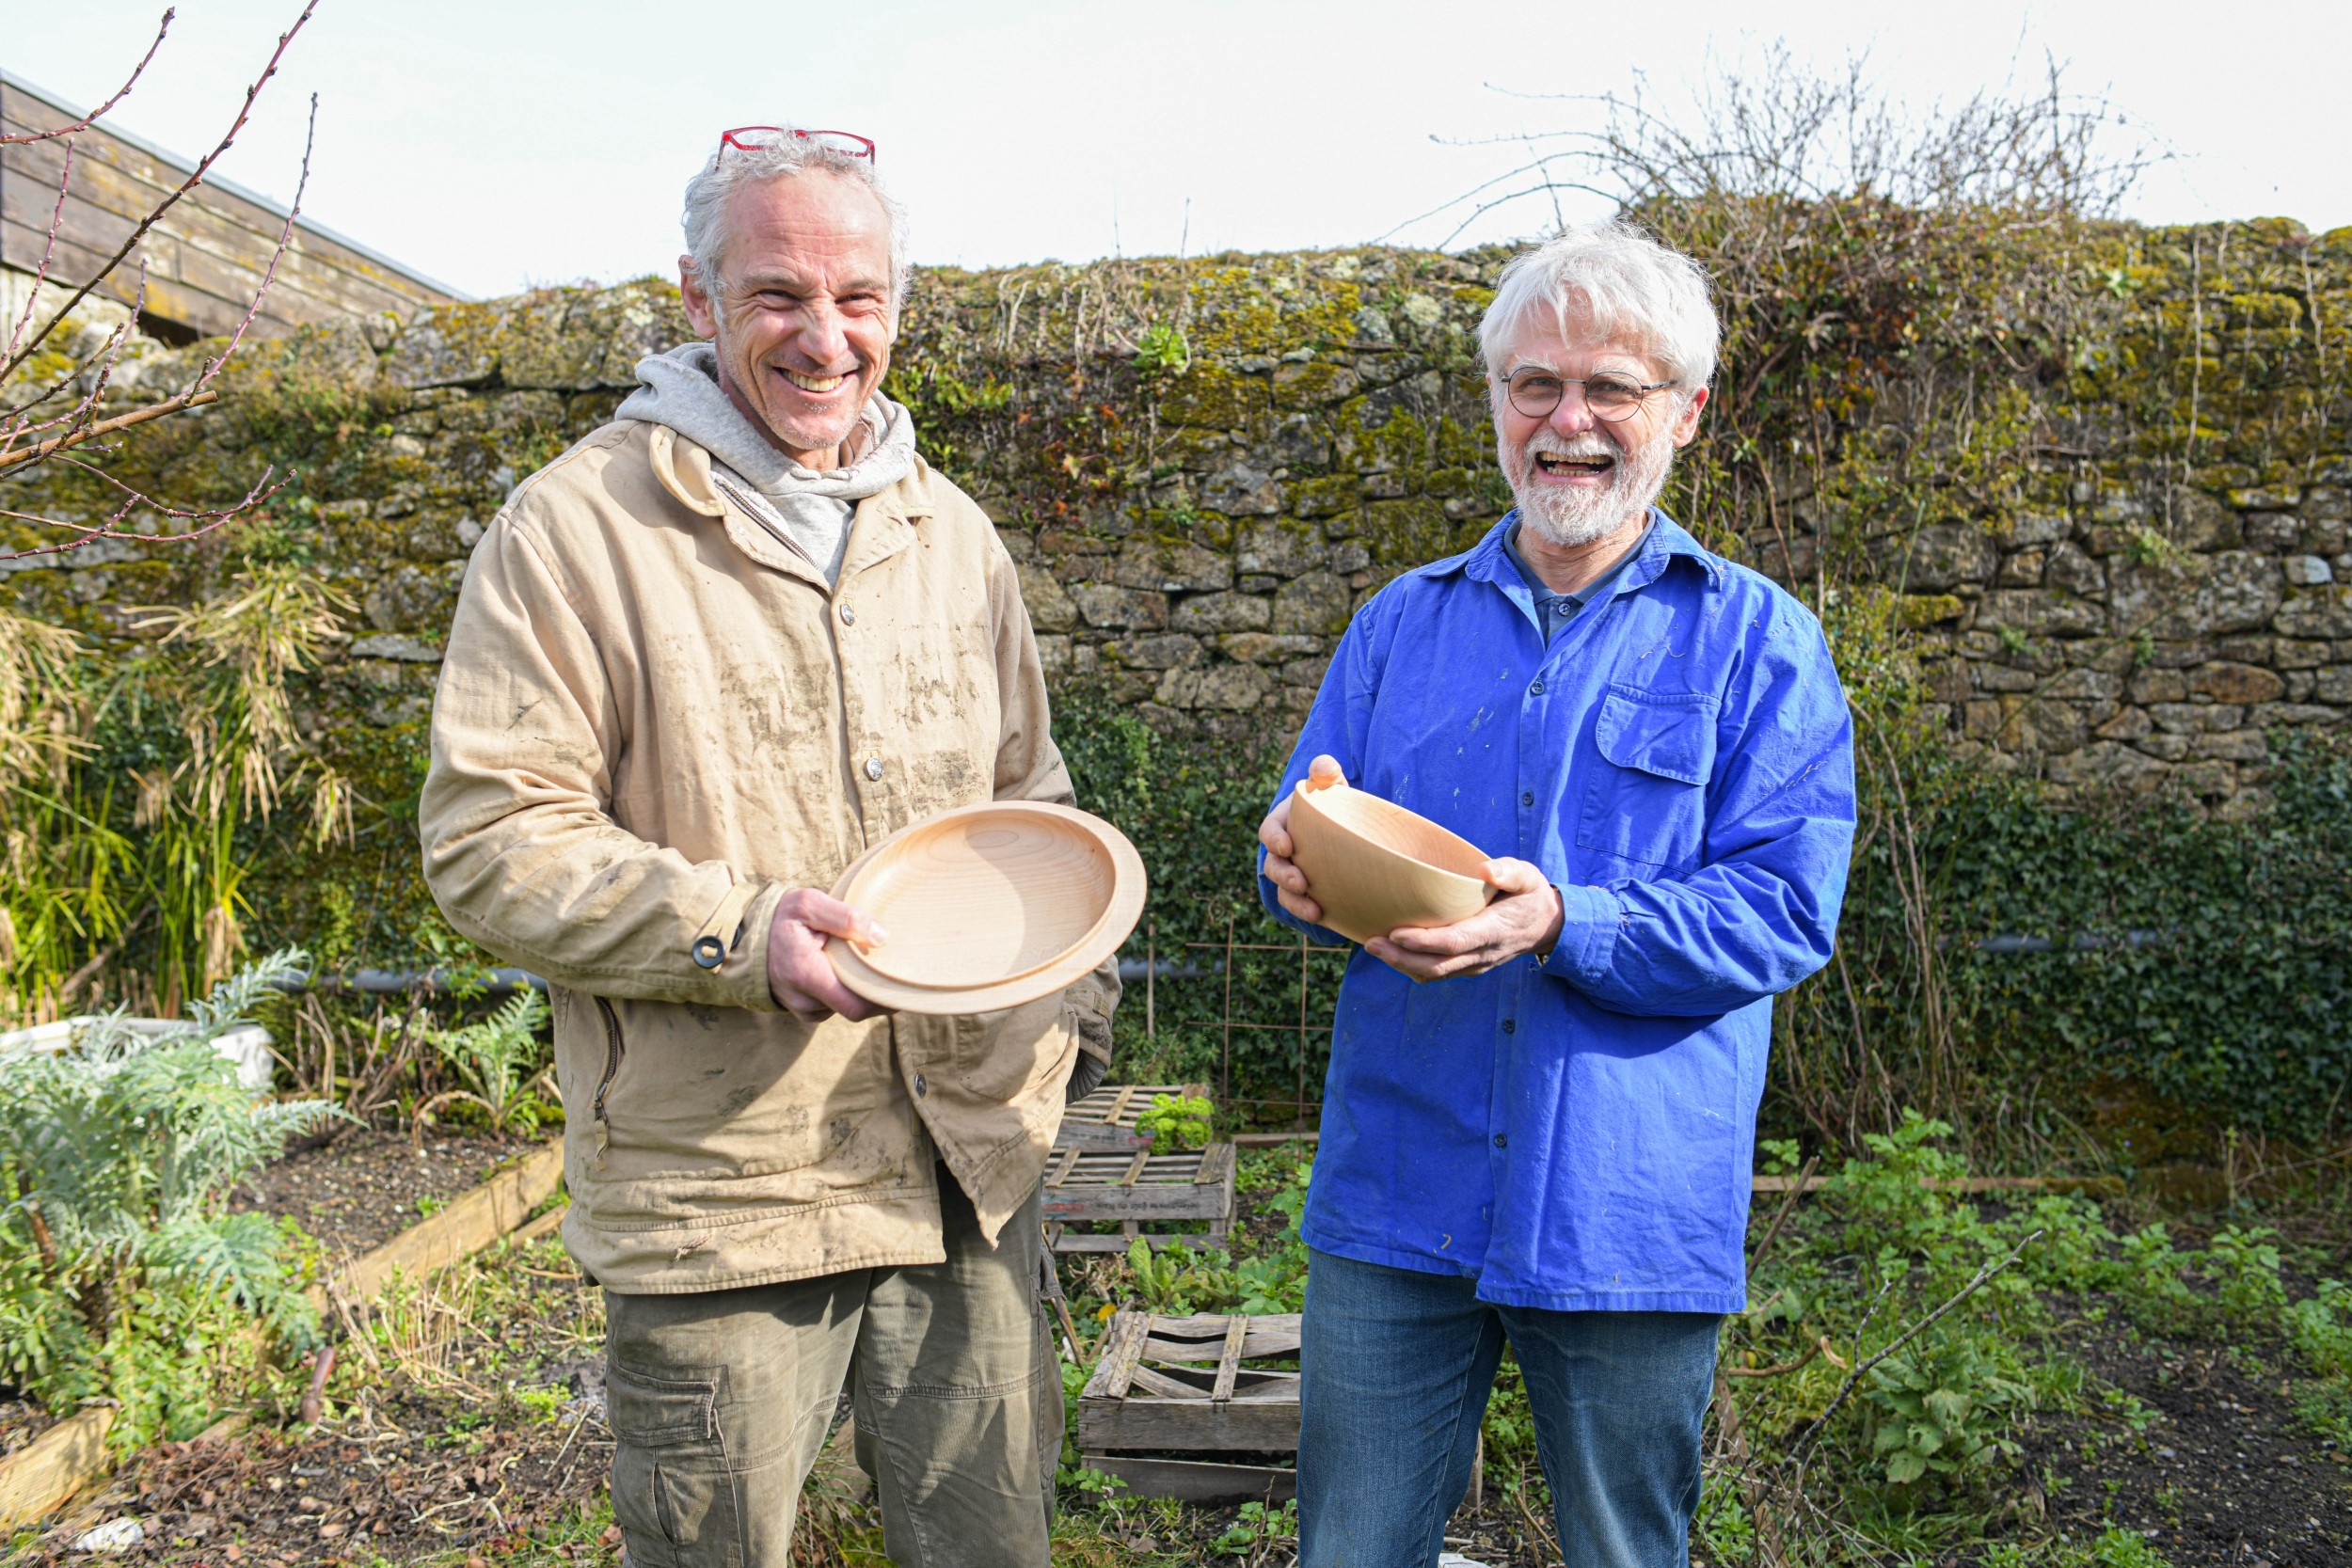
column 1926, row 1374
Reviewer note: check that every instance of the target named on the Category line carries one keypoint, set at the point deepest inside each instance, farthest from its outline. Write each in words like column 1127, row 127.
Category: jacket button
column 1536, row 690
column 849, row 616
column 921, row 1088
column 1502, row 1140
column 873, row 768
column 1510, row 1025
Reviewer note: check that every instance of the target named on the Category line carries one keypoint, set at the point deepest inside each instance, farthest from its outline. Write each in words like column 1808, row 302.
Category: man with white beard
column 1539, row 1122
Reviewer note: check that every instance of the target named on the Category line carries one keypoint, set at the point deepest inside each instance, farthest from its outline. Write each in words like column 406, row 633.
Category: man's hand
column 1525, row 919
column 800, row 975
column 1290, row 883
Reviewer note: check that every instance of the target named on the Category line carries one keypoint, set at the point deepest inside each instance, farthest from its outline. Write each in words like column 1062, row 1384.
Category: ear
column 701, row 311
column 1686, row 426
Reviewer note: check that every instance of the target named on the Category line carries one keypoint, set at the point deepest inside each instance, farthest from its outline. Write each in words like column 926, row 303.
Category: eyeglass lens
column 1536, row 392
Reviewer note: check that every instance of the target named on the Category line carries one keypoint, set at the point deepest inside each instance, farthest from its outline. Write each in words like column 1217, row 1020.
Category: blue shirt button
column 1502, row 1140
column 1527, row 797
column 1510, row 1025
column 1535, row 690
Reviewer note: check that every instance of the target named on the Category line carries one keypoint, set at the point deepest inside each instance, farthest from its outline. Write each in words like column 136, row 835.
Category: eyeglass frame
column 1642, row 389
column 726, row 139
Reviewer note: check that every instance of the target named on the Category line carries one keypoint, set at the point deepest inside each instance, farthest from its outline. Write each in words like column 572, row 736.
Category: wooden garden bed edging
column 470, row 1221
column 36, row 1479
column 1198, row 1398
column 2104, row 1186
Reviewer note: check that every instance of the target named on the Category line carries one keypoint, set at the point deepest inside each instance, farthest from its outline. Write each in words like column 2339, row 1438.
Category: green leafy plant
column 2243, row 1264
column 1160, row 349
column 1942, row 1409
column 2320, row 1327
column 2113, row 1547
column 124, row 1274
column 501, row 1061
column 1256, row 1525
column 1177, row 1122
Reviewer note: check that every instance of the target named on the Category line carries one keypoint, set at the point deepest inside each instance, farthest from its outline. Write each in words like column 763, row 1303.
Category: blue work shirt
column 1553, row 611
column 1577, row 1132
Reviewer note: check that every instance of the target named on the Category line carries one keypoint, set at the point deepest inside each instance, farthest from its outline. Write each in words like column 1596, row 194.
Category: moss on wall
column 2130, row 562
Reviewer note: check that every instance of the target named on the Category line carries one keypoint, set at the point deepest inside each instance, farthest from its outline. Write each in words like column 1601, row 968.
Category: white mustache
column 1550, row 443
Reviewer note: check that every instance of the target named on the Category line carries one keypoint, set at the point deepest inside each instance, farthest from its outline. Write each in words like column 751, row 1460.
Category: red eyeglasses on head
column 755, row 138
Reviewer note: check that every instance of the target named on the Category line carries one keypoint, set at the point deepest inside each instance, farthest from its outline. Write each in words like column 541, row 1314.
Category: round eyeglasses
column 1535, row 391
column 755, row 138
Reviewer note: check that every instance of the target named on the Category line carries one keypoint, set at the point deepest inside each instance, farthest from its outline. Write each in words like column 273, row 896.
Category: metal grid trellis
column 1303, row 1031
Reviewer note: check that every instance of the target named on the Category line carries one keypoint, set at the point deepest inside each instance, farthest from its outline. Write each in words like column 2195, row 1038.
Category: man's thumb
column 1508, row 873
column 837, row 919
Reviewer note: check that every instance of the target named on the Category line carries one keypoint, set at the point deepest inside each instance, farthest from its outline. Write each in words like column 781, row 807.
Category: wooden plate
column 1374, row 865
column 988, row 906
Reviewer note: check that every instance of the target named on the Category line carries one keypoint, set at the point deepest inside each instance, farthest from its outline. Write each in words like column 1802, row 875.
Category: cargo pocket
column 672, row 1492
column 1648, row 806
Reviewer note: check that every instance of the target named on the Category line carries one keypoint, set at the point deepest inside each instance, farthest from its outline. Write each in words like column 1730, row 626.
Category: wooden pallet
column 1178, row 1386
column 1105, row 1120
column 1131, row 1188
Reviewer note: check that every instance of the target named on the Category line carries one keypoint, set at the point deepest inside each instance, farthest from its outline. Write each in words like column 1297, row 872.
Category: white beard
column 1569, row 517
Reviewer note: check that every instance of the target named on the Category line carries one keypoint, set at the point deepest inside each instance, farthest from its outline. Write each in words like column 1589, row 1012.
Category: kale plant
column 122, row 1273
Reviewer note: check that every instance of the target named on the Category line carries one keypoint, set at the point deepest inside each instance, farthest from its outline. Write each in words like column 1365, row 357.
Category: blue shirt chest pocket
column 1647, row 805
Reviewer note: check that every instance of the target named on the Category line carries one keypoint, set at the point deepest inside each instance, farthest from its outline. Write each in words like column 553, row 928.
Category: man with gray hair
column 700, row 662
column 1538, row 1125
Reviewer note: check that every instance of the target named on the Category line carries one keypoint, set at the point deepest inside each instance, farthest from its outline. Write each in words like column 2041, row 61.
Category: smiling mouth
column 1561, row 466
column 812, row 383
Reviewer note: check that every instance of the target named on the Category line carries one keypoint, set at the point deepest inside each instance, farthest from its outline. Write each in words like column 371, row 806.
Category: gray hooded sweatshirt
column 809, row 511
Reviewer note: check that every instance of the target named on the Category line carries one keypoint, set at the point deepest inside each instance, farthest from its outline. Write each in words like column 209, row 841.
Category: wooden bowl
column 988, row 906
column 1374, row 865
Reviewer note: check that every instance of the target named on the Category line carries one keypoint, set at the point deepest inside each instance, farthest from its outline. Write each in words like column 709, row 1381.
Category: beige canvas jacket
column 654, row 720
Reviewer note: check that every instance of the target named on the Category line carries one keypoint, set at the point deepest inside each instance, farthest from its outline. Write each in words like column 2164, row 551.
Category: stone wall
column 2075, row 646
column 1202, row 469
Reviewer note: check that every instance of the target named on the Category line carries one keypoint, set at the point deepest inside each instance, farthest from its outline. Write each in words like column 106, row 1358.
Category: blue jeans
column 1395, row 1368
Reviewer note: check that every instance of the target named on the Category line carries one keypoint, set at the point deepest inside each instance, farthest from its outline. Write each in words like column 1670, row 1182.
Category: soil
column 365, row 1187
column 346, row 1494
column 22, row 1422
column 466, row 1461
column 2228, row 1474
column 438, row 1454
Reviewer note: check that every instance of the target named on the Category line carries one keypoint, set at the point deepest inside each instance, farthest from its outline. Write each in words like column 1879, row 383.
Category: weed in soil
column 2197, row 1446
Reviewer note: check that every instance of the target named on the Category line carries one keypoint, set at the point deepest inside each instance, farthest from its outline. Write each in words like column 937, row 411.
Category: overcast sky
column 495, row 144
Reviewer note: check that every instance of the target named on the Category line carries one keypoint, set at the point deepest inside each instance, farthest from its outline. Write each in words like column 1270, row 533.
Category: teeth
column 813, row 383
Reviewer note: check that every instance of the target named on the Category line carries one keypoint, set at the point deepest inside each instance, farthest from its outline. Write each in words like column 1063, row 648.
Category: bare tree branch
column 48, row 253
column 121, row 93
column 47, row 422
column 108, row 427
column 19, row 354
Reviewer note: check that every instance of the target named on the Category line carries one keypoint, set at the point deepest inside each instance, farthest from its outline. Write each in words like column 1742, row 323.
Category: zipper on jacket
column 613, row 1052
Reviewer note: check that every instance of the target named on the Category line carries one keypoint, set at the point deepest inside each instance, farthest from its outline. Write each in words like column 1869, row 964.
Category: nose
column 1574, row 416
column 821, row 336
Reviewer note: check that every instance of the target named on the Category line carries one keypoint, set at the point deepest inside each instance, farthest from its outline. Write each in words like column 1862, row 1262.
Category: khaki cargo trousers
column 720, row 1400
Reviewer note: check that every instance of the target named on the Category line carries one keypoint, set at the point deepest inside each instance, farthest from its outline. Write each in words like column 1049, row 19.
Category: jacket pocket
column 1647, row 805
column 999, row 1056
column 614, row 1049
